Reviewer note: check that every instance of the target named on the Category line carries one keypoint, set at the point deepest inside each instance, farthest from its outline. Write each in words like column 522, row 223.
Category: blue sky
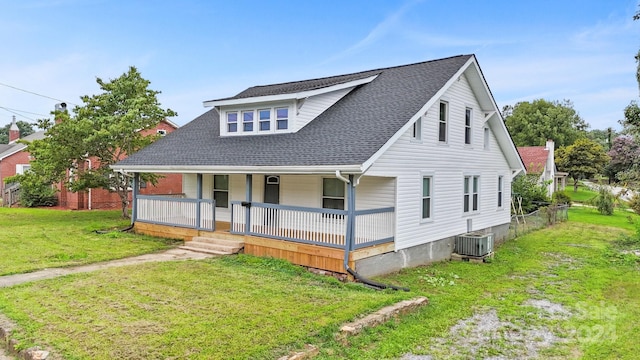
column 193, row 50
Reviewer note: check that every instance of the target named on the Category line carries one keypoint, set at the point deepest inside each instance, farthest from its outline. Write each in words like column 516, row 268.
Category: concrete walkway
column 169, row 255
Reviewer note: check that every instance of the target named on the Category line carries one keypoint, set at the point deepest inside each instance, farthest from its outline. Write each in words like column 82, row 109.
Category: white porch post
column 199, row 197
column 248, row 199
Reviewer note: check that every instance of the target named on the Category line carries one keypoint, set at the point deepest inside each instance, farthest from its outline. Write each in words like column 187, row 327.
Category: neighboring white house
column 385, row 165
column 540, row 160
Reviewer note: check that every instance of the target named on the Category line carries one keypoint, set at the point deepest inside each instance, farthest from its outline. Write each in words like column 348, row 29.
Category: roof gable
column 10, row 149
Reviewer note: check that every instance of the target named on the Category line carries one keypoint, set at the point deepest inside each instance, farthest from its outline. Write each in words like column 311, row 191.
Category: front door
column 271, row 196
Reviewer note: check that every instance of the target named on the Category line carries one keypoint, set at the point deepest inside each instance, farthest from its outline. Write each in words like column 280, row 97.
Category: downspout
column 350, row 235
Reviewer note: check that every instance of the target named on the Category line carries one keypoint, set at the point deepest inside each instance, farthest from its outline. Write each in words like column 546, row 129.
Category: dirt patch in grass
column 486, row 336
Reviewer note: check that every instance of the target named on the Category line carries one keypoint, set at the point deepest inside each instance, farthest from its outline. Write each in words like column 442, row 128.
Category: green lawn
column 34, row 239
column 244, row 307
column 583, row 195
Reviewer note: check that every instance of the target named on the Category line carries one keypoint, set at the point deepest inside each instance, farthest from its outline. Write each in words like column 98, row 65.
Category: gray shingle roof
column 8, row 149
column 348, row 133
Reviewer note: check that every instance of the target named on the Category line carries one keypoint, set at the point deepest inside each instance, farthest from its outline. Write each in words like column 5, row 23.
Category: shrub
column 604, row 201
column 37, row 195
column 561, row 197
column 532, row 193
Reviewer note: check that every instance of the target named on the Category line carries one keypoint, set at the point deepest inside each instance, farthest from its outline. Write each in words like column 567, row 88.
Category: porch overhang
column 207, row 169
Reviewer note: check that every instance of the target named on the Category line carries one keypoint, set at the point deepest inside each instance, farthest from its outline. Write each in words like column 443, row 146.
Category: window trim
column 220, row 190
column 443, row 122
column 429, row 197
column 278, row 119
column 416, row 130
column 486, row 137
column 471, row 194
column 323, row 196
column 267, row 121
column 248, row 124
column 468, row 125
column 500, row 191
column 229, row 122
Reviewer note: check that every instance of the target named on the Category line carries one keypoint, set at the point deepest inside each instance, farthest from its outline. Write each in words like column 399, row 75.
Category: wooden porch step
column 214, row 245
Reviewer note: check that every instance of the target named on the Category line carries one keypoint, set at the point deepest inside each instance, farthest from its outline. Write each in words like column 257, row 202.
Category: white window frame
column 251, row 123
column 486, row 137
column 229, row 123
column 21, row 168
column 471, row 194
column 468, row 125
column 416, row 130
column 428, row 197
column 500, row 191
column 278, row 120
column 268, row 121
column 443, row 122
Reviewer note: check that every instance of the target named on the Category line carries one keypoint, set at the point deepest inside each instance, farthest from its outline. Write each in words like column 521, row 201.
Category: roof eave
column 289, row 96
column 209, row 169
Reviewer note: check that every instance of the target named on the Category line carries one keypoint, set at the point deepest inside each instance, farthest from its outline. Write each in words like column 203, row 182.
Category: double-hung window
column 471, row 193
column 333, row 193
column 427, row 182
column 247, row 121
column 442, row 122
column 232, row 122
column 221, row 190
column 264, row 117
column 500, row 184
column 282, row 118
column 467, row 125
column 416, row 131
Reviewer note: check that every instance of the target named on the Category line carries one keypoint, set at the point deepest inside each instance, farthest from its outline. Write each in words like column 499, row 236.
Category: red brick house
column 15, row 160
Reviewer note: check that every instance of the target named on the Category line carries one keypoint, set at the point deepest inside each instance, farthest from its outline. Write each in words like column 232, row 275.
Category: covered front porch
column 323, row 238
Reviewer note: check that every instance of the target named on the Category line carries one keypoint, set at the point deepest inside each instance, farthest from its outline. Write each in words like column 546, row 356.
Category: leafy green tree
column 603, row 137
column 533, row 123
column 582, row 160
column 104, row 130
column 25, row 128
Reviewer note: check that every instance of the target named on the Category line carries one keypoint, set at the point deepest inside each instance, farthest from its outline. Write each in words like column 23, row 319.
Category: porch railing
column 326, row 227
column 190, row 213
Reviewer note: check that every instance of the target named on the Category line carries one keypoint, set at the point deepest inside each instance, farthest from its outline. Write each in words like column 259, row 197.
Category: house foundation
column 419, row 255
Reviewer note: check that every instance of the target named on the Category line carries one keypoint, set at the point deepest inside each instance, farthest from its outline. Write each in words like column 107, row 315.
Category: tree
column 533, row 123
column 625, row 156
column 582, row 160
column 532, row 194
column 25, row 128
column 603, row 137
column 104, row 130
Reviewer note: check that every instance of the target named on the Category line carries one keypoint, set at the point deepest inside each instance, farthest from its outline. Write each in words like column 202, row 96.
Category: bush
column 561, row 197
column 34, row 196
column 604, row 201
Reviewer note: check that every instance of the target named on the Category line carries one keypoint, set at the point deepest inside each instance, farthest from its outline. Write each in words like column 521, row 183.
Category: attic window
column 232, row 121
column 282, row 118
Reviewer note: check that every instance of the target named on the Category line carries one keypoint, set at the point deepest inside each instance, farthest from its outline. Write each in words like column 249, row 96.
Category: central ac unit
column 474, row 244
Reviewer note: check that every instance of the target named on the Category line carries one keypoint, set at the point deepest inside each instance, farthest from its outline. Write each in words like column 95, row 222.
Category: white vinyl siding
column 447, row 165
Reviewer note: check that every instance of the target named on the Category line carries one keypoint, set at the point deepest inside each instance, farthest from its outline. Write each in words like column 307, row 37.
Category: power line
column 16, row 113
column 22, row 111
column 34, row 93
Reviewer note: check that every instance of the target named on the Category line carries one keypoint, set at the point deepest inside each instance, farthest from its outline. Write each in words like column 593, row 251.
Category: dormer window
column 264, row 115
column 264, row 120
column 247, row 121
column 282, row 118
column 232, row 122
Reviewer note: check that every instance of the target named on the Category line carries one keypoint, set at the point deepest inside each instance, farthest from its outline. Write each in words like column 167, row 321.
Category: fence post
column 199, row 198
column 134, row 206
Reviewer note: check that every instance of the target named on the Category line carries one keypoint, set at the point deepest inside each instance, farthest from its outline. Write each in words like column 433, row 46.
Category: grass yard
column 34, row 239
column 583, row 195
column 569, row 291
